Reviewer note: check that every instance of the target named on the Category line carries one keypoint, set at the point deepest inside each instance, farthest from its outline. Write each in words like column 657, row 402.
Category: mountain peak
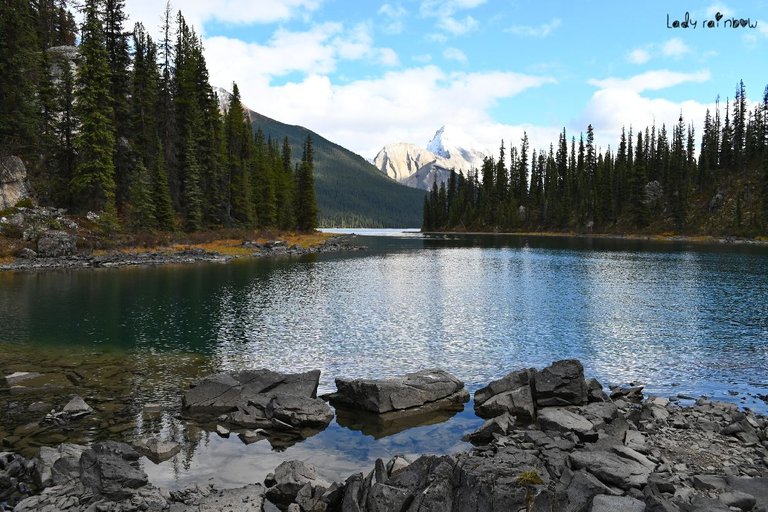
column 448, row 140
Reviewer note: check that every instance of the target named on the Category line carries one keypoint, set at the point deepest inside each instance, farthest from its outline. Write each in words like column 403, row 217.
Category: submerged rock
column 156, row 449
column 397, row 393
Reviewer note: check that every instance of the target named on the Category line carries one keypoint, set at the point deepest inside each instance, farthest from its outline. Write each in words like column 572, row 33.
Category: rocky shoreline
column 31, row 261
column 552, row 441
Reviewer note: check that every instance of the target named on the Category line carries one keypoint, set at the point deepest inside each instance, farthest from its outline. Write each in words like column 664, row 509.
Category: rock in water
column 157, row 450
column 224, row 392
column 109, row 470
column 290, row 477
column 397, row 393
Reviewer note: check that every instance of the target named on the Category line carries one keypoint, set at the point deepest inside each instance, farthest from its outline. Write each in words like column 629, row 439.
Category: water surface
column 680, row 318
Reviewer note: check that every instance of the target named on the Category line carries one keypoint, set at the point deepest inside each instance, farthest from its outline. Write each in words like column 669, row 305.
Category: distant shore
column 702, row 239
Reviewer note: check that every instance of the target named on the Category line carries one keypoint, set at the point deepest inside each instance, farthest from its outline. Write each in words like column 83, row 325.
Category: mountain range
column 420, row 167
column 350, row 191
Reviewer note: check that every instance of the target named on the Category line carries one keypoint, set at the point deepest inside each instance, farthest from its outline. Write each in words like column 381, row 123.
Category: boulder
column 290, row 477
column 511, row 394
column 299, row 411
column 738, row 499
column 500, row 425
column 156, row 449
column 611, row 468
column 563, row 420
column 561, row 384
column 595, row 391
column 48, row 458
column 396, row 393
column 13, row 181
column 55, row 244
column 77, row 406
column 109, row 469
column 224, row 392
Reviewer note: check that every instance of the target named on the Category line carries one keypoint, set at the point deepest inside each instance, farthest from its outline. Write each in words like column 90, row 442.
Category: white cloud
column 363, row 115
column 196, row 12
column 317, row 50
column 457, row 27
column 639, row 56
column 423, row 58
column 715, row 8
column 675, row 47
column 396, row 15
column 651, row 80
column 445, row 12
column 620, row 103
column 455, row 54
column 542, row 30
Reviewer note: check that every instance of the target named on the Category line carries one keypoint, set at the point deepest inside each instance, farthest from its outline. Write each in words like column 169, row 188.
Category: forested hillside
column 654, row 182
column 350, row 191
column 131, row 128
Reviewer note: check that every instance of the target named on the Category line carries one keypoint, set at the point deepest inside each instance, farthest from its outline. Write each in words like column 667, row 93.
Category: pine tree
column 306, row 208
column 237, row 141
column 285, row 190
column 161, row 191
column 94, row 182
column 19, row 65
column 118, row 58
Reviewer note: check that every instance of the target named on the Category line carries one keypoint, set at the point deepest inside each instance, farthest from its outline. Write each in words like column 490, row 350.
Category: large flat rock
column 611, row 468
column 396, row 393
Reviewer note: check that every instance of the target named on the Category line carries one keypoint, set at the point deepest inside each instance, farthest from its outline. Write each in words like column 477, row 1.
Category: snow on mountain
column 419, row 167
column 401, row 160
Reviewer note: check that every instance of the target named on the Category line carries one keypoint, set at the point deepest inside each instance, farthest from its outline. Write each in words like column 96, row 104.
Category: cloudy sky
column 368, row 73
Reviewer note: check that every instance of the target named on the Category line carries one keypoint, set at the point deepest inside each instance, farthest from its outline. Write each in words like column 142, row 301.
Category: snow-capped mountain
column 419, row 167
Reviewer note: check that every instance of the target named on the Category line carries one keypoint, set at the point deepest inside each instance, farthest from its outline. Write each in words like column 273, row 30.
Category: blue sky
column 368, row 73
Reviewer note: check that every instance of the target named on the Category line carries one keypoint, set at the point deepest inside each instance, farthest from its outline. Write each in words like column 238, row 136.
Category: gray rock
column 156, row 449
column 510, row 382
column 738, row 499
column 757, row 487
column 199, row 499
column 611, row 468
column 562, row 420
column 500, row 425
column 300, row 411
column 709, row 482
column 580, row 490
column 636, row 440
column 397, row 393
column 108, row 469
column 517, row 402
column 77, row 406
column 290, row 477
column 48, row 456
column 16, row 378
column 55, row 244
column 26, row 253
column 630, row 393
column 251, row 436
column 561, row 384
column 595, row 392
column 604, row 503
column 223, row 392
column 13, row 181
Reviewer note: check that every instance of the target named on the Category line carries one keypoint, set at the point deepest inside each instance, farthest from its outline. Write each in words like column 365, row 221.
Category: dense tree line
column 654, row 181
column 132, row 128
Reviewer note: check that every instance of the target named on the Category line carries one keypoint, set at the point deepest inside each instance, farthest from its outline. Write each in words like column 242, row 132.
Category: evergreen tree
column 119, row 60
column 522, row 170
column 238, row 144
column 19, row 65
column 306, row 208
column 94, row 182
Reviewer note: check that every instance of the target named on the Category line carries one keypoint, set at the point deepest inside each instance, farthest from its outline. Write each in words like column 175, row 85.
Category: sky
column 368, row 73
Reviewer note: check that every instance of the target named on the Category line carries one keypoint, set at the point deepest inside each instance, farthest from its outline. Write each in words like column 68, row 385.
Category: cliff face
column 13, row 181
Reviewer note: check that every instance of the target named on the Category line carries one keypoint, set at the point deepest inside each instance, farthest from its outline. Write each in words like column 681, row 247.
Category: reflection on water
column 679, row 318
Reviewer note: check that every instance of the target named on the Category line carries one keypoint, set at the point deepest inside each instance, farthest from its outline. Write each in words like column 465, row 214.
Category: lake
column 681, row 318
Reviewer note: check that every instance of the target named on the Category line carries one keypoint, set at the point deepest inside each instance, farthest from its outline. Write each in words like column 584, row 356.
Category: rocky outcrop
column 260, row 399
column 522, row 392
column 13, row 181
column 398, row 393
column 55, row 244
